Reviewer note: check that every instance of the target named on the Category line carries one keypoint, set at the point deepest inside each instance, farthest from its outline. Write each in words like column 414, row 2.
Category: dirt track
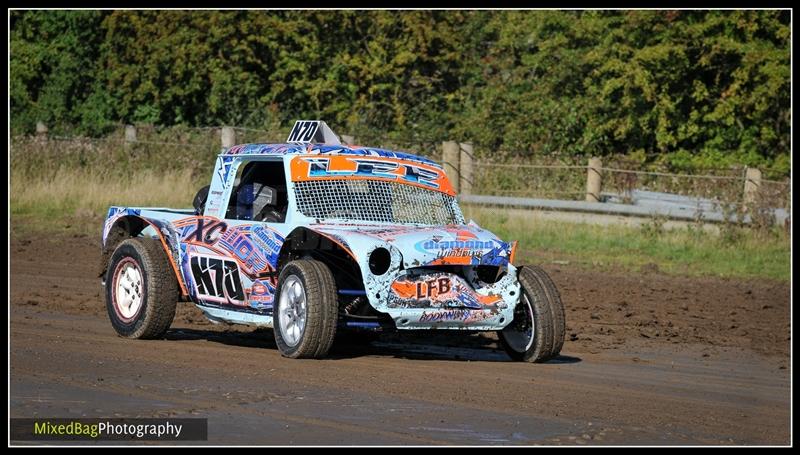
column 649, row 359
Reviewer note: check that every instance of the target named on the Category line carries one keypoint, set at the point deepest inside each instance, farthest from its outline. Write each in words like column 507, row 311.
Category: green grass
column 733, row 252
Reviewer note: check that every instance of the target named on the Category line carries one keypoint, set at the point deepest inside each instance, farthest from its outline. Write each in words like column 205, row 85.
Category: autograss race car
column 311, row 237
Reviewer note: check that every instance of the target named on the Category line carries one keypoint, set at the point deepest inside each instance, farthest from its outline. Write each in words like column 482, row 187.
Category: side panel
column 230, row 264
column 227, row 267
column 218, row 263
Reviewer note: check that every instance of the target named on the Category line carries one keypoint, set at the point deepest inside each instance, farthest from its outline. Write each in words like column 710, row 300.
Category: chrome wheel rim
column 129, row 290
column 520, row 333
column 292, row 311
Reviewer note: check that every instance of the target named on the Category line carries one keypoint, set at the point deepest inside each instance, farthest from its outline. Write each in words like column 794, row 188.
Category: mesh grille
column 375, row 200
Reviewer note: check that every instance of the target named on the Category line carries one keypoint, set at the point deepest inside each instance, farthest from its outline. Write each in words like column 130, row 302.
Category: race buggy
column 312, row 237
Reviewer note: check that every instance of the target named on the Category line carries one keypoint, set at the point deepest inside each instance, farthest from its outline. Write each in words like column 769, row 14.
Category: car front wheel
column 537, row 332
column 305, row 317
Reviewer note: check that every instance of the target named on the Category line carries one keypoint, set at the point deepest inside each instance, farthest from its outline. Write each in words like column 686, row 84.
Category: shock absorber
column 354, row 305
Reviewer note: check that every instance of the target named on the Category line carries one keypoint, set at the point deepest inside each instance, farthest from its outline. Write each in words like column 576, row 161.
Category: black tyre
column 537, row 332
column 305, row 316
column 141, row 289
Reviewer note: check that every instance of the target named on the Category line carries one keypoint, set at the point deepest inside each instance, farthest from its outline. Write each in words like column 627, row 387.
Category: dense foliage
column 690, row 88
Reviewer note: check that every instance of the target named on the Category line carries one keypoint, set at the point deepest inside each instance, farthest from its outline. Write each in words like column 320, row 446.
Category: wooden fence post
column 348, row 140
column 228, row 136
column 41, row 131
column 594, row 180
column 752, row 184
column 450, row 162
column 465, row 167
column 130, row 133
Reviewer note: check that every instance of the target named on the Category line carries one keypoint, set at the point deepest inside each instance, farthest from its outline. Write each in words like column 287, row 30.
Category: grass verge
column 733, row 252
column 76, row 201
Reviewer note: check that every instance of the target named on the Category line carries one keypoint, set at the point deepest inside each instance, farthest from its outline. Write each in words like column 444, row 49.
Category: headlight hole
column 379, row 261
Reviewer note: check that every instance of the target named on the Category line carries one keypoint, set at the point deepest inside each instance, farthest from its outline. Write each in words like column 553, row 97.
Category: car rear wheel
column 537, row 332
column 141, row 289
column 305, row 317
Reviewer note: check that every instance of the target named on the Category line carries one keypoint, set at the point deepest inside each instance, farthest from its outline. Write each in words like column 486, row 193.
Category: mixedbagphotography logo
column 62, row 429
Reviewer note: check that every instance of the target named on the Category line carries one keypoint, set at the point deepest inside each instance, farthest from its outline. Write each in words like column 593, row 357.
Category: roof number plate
column 303, row 131
column 312, row 131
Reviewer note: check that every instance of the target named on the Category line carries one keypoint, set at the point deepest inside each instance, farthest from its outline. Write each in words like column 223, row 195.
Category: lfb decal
column 431, row 289
column 217, row 280
column 438, row 290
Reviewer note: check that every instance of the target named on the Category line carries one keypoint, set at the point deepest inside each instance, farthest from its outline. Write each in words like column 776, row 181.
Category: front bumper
column 433, row 299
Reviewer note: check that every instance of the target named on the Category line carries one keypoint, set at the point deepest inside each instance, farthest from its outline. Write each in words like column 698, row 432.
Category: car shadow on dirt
column 259, row 338
column 412, row 346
